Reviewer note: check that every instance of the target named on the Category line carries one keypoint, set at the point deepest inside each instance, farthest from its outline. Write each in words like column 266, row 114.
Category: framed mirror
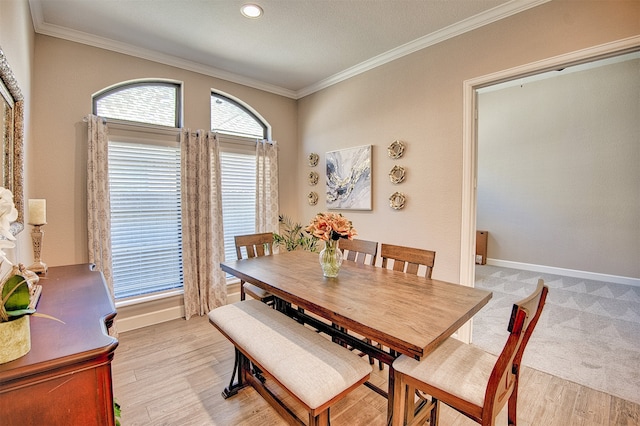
column 12, row 119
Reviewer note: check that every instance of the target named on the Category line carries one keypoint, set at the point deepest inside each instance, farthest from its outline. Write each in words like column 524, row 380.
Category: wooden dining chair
column 254, row 245
column 474, row 382
column 407, row 259
column 359, row 251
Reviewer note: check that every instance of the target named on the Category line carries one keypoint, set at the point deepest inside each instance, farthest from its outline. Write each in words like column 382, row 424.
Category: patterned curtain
column 98, row 203
column 202, row 232
column 266, row 186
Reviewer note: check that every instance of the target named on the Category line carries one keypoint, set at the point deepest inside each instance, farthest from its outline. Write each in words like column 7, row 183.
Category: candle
column 37, row 212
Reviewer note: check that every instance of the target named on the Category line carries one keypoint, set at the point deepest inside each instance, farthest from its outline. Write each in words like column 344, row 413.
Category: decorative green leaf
column 41, row 315
column 20, row 312
column 15, row 294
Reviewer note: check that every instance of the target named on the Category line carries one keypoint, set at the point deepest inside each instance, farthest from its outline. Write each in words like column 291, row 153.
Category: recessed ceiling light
column 251, row 10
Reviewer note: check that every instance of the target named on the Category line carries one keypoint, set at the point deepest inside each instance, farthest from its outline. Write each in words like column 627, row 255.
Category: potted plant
column 15, row 333
column 293, row 236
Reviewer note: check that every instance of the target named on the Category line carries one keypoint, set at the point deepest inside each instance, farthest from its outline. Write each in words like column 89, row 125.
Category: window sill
column 136, row 300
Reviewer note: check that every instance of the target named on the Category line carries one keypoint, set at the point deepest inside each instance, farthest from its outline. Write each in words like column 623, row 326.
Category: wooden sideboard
column 65, row 379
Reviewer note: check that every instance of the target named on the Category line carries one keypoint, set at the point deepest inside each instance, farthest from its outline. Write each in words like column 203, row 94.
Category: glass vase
column 330, row 259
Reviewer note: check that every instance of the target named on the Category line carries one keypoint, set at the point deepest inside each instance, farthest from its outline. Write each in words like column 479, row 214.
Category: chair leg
column 242, row 294
column 399, row 400
column 435, row 412
column 513, row 405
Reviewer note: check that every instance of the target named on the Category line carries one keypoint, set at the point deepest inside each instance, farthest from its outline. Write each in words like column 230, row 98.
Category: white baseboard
column 136, row 316
column 565, row 272
column 149, row 318
column 233, row 297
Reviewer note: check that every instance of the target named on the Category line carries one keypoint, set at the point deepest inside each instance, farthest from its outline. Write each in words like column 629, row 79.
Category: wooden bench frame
column 248, row 371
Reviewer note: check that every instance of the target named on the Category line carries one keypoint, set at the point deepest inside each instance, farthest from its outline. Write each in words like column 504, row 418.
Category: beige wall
column 66, row 76
column 558, row 170
column 419, row 99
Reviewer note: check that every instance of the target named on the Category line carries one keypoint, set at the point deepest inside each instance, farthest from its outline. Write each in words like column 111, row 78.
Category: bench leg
column 321, row 419
column 240, row 363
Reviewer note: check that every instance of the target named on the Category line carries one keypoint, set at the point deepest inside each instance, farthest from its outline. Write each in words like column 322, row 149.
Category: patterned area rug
column 589, row 331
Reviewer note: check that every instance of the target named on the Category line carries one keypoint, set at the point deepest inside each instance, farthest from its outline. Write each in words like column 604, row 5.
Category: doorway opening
column 470, row 135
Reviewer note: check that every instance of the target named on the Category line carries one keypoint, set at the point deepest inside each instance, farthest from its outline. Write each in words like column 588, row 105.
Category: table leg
column 390, row 396
column 241, row 363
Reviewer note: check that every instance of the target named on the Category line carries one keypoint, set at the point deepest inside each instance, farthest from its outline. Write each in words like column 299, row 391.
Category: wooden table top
column 78, row 296
column 409, row 314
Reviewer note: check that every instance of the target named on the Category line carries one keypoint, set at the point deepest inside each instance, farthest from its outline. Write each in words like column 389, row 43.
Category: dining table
column 379, row 311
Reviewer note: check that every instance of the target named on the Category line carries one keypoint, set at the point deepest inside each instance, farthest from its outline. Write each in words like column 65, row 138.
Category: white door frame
column 470, row 141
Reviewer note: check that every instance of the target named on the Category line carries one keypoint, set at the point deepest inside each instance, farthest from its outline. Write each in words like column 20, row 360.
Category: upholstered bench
column 313, row 370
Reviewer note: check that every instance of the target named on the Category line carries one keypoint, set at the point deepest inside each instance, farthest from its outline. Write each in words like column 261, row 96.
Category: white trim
column 150, row 55
column 137, row 300
column 469, row 143
column 143, row 312
column 469, row 183
column 149, row 318
column 497, row 13
column 595, row 276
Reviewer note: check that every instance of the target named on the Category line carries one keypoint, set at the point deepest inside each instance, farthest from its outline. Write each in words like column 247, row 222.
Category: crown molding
column 497, row 13
column 500, row 12
column 44, row 28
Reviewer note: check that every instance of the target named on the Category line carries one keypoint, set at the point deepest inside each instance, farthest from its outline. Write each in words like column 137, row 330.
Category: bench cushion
column 310, row 366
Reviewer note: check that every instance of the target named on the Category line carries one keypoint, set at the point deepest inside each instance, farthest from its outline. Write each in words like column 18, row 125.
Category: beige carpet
column 589, row 331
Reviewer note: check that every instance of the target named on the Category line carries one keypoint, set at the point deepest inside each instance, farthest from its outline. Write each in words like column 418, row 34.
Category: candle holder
column 39, row 267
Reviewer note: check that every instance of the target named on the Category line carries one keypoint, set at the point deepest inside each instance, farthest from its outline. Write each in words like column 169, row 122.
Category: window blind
column 238, row 182
column 146, row 229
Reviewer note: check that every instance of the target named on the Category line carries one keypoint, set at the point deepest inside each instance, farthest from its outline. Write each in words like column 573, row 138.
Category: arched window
column 151, row 102
column 144, row 119
column 230, row 117
column 144, row 184
column 238, row 128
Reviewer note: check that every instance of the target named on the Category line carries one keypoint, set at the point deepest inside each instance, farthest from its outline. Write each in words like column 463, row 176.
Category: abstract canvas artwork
column 349, row 178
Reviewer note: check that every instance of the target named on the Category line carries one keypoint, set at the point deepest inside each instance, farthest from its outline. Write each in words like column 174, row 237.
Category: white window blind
column 232, row 118
column 150, row 102
column 146, row 229
column 238, row 181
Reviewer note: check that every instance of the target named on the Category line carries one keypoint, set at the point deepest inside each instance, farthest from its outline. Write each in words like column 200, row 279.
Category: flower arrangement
column 331, row 226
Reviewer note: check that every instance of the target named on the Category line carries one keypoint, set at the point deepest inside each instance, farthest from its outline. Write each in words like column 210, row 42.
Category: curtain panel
column 267, row 209
column 202, row 231
column 98, row 201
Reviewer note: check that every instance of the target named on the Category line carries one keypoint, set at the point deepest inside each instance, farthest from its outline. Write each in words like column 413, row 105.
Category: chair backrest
column 407, row 259
column 504, row 377
column 254, row 245
column 357, row 251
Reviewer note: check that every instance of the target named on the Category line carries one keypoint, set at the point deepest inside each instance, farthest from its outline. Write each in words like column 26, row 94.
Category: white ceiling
column 296, row 48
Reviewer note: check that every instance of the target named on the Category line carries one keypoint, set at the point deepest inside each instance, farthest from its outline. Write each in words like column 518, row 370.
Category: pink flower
column 331, row 226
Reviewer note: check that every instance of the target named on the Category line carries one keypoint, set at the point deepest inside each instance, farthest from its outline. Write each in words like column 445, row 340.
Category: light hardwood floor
column 173, row 374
